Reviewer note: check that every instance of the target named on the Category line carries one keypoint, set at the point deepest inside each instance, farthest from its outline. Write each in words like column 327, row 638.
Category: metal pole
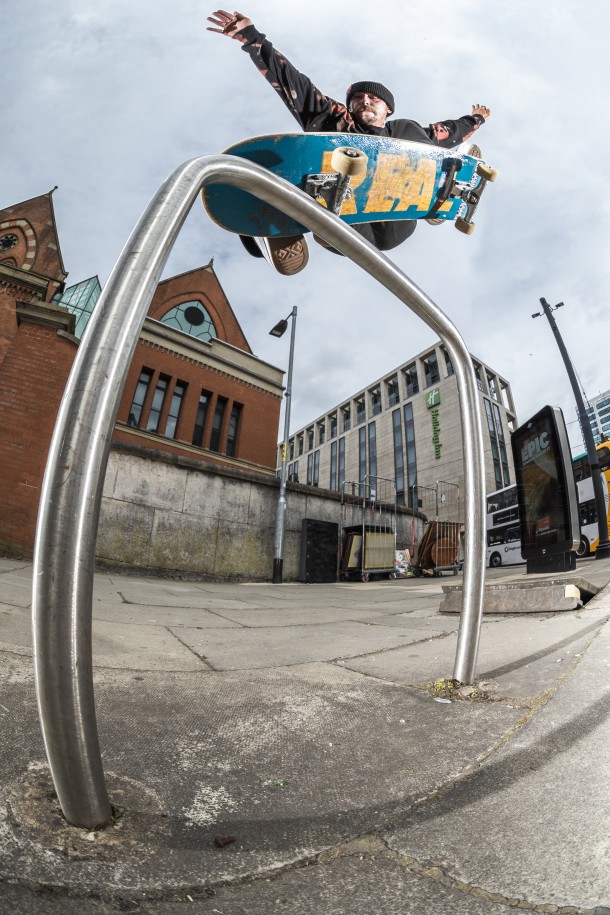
column 603, row 546
column 71, row 494
column 280, row 520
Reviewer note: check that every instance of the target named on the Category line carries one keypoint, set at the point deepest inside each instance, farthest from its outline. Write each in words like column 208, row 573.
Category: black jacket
column 319, row 113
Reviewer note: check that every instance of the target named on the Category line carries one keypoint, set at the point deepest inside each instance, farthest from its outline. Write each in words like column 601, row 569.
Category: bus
column 587, row 510
column 503, row 529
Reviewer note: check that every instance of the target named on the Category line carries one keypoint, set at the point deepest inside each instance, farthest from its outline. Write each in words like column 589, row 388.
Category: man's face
column 368, row 109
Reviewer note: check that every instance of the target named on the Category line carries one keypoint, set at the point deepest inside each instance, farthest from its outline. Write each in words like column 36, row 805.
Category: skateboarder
column 366, row 110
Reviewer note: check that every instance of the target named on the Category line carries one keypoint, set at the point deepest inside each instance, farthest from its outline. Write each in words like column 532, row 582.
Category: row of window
column 158, row 409
column 599, row 406
column 405, row 470
column 370, row 403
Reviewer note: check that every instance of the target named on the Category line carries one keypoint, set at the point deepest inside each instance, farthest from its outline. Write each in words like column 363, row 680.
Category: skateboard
column 359, row 177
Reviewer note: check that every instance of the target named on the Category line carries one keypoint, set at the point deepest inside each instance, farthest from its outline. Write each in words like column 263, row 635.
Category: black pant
column 386, row 235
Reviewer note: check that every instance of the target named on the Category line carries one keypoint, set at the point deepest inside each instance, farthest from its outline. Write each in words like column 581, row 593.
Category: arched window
column 191, row 318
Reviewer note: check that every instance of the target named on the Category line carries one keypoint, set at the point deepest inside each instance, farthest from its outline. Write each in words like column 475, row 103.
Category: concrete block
column 151, row 483
column 521, row 597
column 124, row 533
column 183, row 543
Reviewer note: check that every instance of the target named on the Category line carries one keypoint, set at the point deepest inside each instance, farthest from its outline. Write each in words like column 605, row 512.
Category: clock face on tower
column 7, row 242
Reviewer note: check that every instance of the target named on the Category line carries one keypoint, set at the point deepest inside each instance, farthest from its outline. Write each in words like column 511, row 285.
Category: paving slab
column 538, row 814
column 252, row 648
column 300, row 749
column 516, row 658
column 280, row 759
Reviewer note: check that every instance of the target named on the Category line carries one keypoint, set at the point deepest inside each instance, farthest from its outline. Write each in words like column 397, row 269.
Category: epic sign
column 534, row 447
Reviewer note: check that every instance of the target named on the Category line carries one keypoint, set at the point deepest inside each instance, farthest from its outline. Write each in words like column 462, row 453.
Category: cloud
column 106, row 100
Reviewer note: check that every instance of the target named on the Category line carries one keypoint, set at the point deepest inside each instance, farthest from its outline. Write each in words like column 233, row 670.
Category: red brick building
column 194, row 387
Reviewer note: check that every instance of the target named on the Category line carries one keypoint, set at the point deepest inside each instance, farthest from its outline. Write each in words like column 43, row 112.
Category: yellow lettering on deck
column 349, row 205
column 399, row 184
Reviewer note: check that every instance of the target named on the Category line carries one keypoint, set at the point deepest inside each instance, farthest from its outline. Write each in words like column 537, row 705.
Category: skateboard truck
column 470, row 195
column 334, row 187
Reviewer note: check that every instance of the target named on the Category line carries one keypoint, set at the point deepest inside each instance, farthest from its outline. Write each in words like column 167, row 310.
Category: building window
column 372, row 450
column 293, row 473
column 219, row 413
column 376, row 401
column 495, row 453
column 501, row 444
column 361, row 455
column 333, row 425
column 491, row 384
column 347, row 422
column 448, row 364
column 399, row 459
column 301, row 445
column 411, row 380
column 431, row 372
column 310, row 469
column 341, row 463
column 202, row 410
column 316, row 468
column 234, row 430
column 411, row 480
column 477, row 374
column 333, row 465
column 191, row 318
column 135, row 411
column 174, row 409
column 360, row 410
column 154, row 415
column 321, row 433
column 392, row 390
column 310, row 439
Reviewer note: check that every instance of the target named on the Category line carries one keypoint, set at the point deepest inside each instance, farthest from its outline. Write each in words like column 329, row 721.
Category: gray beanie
column 377, row 89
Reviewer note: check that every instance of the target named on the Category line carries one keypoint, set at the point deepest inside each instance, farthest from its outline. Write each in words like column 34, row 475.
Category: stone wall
column 171, row 515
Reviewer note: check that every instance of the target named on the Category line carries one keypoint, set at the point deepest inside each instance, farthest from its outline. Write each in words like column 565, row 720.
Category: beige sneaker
column 288, row 255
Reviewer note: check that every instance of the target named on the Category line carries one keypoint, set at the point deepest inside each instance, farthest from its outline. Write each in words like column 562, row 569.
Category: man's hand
column 482, row 110
column 228, row 24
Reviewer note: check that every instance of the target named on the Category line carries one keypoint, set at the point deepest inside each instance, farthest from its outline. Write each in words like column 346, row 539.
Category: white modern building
column 598, row 412
column 406, row 427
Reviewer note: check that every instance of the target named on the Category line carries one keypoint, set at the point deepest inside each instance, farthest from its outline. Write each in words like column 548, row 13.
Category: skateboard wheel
column 349, row 161
column 485, row 171
column 466, row 227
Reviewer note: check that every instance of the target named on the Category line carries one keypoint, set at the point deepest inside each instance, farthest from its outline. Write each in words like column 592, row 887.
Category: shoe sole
column 288, row 255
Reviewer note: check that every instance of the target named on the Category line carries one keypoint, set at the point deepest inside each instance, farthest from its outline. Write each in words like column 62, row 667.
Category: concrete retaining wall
column 173, row 515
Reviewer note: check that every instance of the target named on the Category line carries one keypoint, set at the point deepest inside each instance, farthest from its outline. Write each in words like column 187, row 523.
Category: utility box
column 548, row 500
column 319, row 551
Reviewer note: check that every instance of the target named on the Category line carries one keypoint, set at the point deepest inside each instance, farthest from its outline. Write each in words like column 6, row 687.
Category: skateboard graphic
column 359, row 177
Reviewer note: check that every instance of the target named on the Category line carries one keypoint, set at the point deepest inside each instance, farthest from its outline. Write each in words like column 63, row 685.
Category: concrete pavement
column 302, row 722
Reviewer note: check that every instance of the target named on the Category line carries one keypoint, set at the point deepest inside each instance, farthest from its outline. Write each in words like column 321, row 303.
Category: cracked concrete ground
column 298, row 721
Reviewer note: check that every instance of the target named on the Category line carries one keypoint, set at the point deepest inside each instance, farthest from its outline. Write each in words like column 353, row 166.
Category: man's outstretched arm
column 452, row 133
column 304, row 100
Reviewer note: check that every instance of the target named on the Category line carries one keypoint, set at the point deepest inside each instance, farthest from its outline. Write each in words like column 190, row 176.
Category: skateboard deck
column 392, row 179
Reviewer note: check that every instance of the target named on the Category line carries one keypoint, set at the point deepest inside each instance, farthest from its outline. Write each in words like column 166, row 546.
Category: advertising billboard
column 548, row 502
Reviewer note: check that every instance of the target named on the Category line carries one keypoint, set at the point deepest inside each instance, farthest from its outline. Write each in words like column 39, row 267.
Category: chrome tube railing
column 72, row 489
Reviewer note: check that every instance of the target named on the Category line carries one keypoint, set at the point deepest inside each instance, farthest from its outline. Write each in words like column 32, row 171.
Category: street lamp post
column 280, row 518
column 603, row 546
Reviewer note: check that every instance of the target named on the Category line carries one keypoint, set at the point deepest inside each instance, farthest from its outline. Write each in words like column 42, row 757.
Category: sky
column 106, row 99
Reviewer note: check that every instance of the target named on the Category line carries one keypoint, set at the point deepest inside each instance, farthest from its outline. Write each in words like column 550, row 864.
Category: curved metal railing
column 72, row 490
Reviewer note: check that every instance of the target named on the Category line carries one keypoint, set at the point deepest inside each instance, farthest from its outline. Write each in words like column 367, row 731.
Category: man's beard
column 361, row 115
